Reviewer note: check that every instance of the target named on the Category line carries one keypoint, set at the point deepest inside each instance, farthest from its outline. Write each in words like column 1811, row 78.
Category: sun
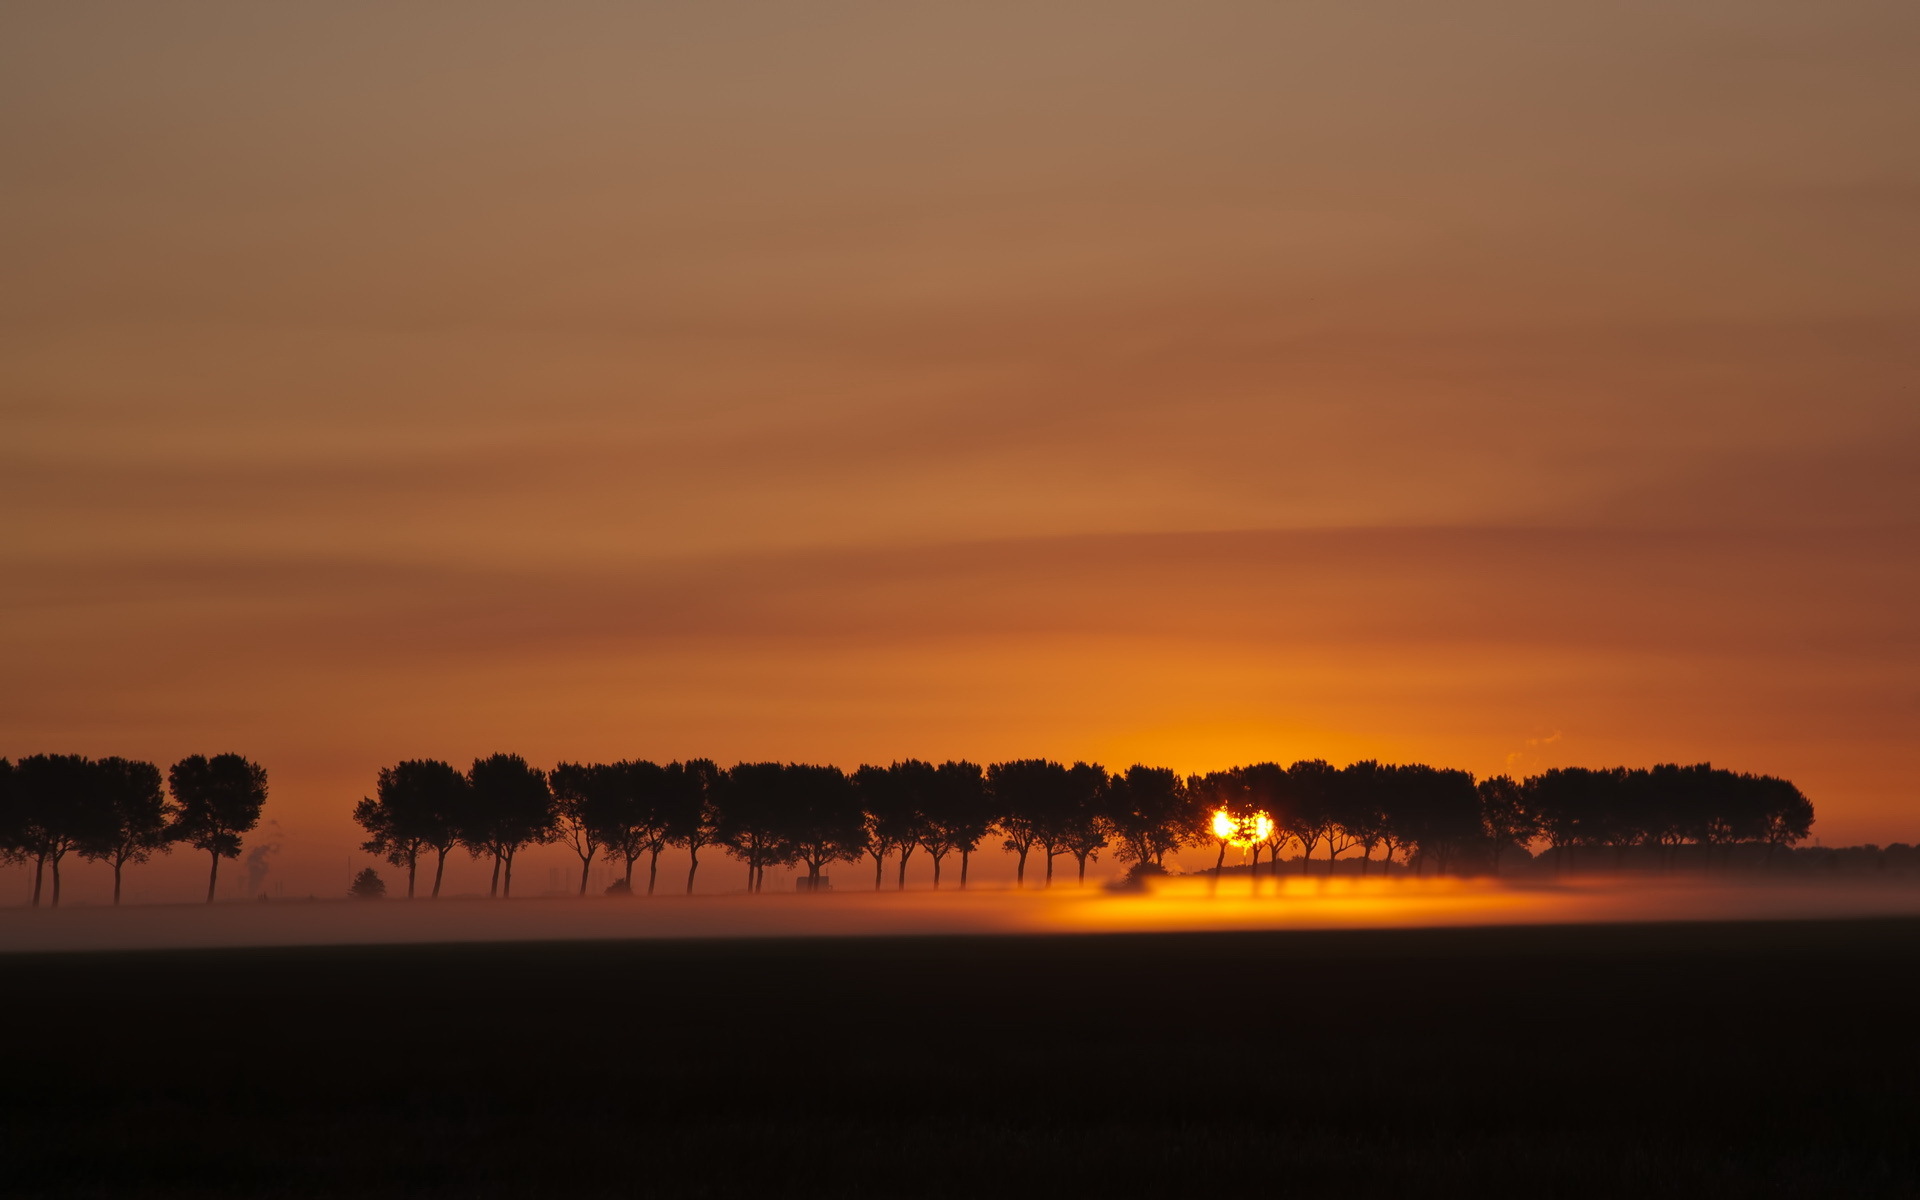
column 1247, row 830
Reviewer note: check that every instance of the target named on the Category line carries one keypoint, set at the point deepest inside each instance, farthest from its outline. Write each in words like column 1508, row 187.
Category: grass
column 1699, row 1060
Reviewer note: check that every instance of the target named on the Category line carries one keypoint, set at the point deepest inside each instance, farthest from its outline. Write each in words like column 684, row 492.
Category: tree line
column 781, row 815
column 113, row 811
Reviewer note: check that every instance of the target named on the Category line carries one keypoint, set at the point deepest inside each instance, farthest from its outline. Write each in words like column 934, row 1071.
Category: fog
column 1178, row 904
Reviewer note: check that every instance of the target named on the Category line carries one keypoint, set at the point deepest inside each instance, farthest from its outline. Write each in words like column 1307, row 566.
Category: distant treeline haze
column 112, row 810
column 793, row 814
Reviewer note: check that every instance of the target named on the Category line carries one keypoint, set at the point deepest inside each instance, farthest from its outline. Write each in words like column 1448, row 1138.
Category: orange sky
column 1502, row 385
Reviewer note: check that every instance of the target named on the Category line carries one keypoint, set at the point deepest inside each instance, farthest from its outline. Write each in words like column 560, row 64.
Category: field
column 1740, row 1059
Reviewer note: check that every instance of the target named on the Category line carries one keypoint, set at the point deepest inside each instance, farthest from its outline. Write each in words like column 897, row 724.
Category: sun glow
column 1243, row 831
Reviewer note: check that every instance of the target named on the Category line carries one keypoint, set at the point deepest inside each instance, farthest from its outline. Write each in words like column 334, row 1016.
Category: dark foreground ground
column 1682, row 1060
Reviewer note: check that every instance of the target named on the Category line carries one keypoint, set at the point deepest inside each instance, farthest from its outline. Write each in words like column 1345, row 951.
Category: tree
column 1353, row 796
column 511, row 808
column 1078, row 823
column 134, row 814
column 368, row 885
column 1563, row 803
column 693, row 819
column 12, row 817
column 1304, row 806
column 1363, row 809
column 1151, row 814
column 58, row 809
column 1231, row 809
column 1786, row 816
column 1026, row 796
column 955, row 815
column 634, row 813
column 751, row 823
column 417, row 806
column 587, row 803
column 1504, row 816
column 821, row 818
column 892, row 798
column 1437, row 812
column 218, row 801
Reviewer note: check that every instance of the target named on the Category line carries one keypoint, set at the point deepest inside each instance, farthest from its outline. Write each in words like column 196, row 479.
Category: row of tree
column 794, row 814
column 112, row 810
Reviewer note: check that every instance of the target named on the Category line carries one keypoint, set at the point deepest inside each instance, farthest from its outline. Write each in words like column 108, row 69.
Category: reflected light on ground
column 1180, row 903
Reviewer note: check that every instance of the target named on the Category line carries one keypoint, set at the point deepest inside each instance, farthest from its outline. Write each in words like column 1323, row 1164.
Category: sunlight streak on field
column 1180, row 903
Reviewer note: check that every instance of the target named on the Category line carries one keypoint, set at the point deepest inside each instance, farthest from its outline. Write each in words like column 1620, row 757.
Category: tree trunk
column 964, row 856
column 879, row 867
column 439, row 869
column 906, row 852
column 116, row 883
column 506, row 878
column 1049, row 879
column 56, row 882
column 1020, row 870
column 39, row 871
column 693, row 866
column 1366, row 860
column 936, row 867
column 750, row 876
column 1219, row 864
column 586, row 865
column 653, row 871
column 213, row 876
column 493, row 887
column 413, row 865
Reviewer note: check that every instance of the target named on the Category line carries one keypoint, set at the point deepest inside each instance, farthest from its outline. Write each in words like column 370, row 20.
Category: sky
column 1492, row 384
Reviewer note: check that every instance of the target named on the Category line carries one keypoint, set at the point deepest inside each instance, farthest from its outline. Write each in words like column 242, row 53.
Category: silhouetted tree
column 891, row 798
column 1304, row 808
column 1505, row 818
column 218, row 801
column 59, row 810
column 12, row 817
column 510, row 808
column 1024, row 792
column 1437, row 812
column 1151, row 814
column 368, row 885
column 417, row 806
column 588, row 802
column 1363, row 800
column 1078, row 823
column 694, row 817
column 635, row 810
column 1264, row 788
column 133, row 818
column 1786, row 816
column 752, row 822
column 821, row 818
column 1563, row 801
column 956, row 815
column 1357, row 799
column 1233, row 793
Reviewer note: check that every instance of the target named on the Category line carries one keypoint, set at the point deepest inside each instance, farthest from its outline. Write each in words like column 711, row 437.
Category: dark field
column 1761, row 1059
